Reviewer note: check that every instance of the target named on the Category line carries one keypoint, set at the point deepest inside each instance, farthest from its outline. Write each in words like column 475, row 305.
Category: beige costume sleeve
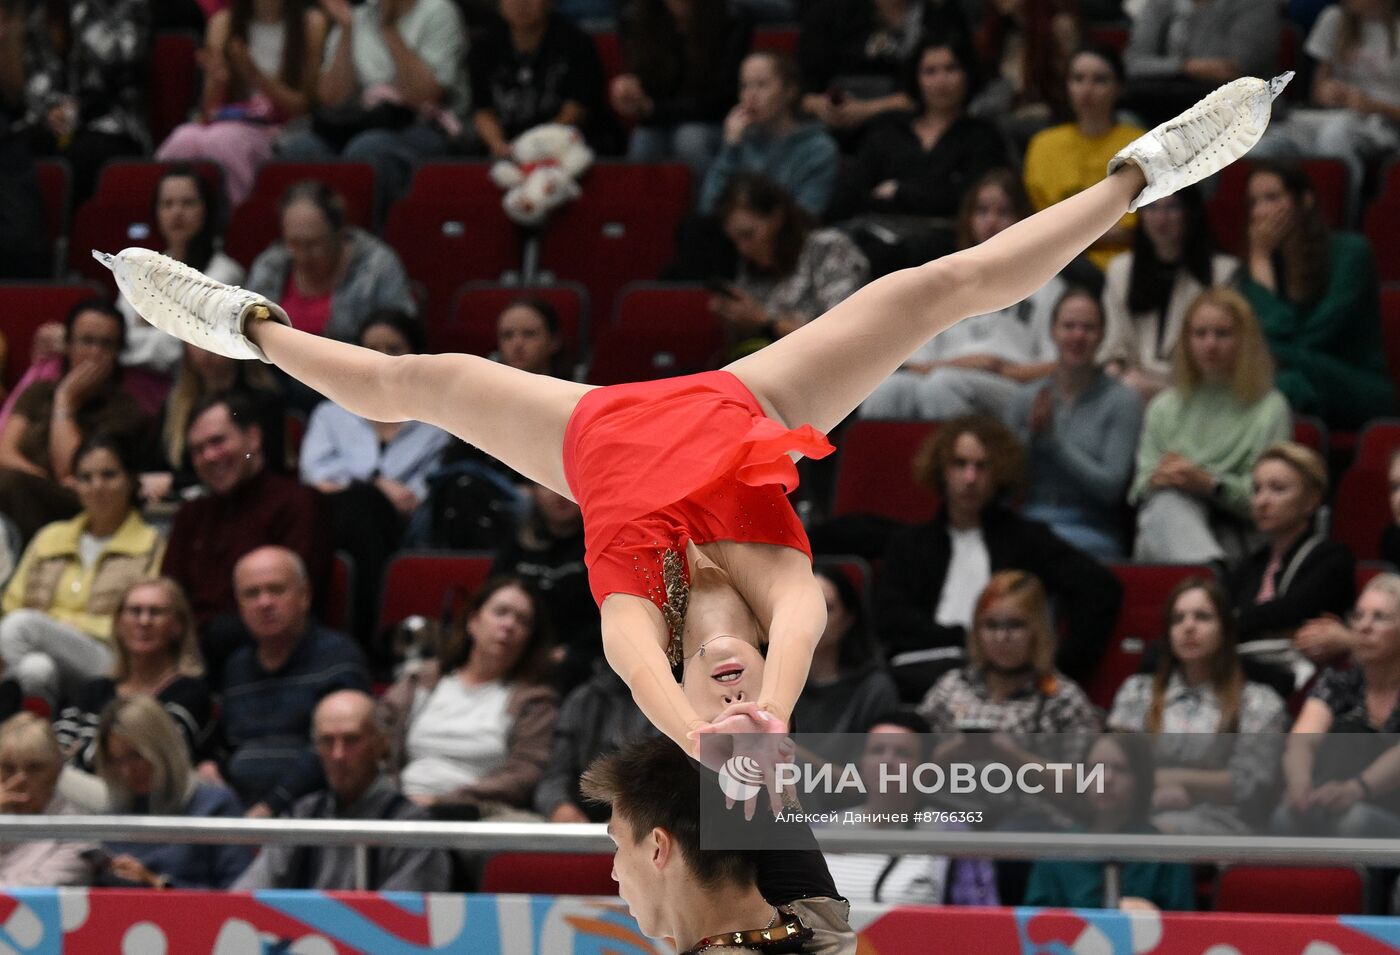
column 632, row 635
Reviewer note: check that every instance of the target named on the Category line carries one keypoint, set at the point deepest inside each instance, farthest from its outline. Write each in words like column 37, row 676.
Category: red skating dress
column 656, row 464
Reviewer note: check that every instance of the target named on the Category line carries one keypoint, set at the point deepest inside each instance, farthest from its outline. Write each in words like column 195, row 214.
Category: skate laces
column 1193, row 135
column 187, row 288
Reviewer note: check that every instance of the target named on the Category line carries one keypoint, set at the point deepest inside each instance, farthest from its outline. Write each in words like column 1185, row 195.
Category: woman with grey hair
column 145, row 763
column 1338, row 785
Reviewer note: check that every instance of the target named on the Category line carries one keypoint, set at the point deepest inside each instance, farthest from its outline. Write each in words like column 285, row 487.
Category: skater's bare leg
column 516, row 417
column 821, row 372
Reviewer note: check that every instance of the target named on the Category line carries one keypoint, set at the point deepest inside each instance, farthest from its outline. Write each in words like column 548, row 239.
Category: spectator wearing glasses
column 327, row 274
column 157, row 655
column 1010, row 684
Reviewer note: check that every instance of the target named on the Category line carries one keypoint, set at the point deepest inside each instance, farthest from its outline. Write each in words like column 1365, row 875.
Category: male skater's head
column 677, row 890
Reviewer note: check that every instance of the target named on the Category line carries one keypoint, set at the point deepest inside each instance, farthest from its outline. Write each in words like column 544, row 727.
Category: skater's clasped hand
column 742, row 729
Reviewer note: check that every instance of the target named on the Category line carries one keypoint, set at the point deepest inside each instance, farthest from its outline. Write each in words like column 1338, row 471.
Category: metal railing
column 1113, row 850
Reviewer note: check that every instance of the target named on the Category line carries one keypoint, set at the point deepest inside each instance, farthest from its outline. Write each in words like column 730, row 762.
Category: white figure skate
column 1203, row 140
column 188, row 304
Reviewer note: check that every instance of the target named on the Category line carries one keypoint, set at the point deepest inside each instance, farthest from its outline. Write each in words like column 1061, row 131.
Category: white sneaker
column 1203, row 140
column 188, row 304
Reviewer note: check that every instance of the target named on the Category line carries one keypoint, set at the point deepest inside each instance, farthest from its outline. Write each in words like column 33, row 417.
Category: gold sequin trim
column 677, row 601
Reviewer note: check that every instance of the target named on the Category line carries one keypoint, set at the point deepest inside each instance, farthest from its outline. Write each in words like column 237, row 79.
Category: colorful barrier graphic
column 82, row 922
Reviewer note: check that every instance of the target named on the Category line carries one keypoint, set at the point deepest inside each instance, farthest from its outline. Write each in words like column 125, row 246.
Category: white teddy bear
column 541, row 174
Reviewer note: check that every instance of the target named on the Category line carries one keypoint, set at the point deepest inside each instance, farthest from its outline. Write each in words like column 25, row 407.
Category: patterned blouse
column 829, row 269
column 961, row 700
column 104, row 69
column 1191, row 735
column 1344, row 693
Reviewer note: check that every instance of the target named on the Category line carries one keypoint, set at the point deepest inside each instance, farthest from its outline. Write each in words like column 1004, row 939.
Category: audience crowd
column 174, row 641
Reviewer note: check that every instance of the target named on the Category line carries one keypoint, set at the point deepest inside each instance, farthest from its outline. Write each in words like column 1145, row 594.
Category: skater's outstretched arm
column 632, row 635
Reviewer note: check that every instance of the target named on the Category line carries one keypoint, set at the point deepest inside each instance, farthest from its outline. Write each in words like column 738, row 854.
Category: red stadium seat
column 1146, row 588
column 56, row 183
column 622, row 229
column 1291, row 890
column 1390, row 181
column 254, row 226
column 1390, row 324
column 1378, row 440
column 780, row 40
column 609, row 46
column 1378, row 224
column 1361, row 510
column 119, row 214
column 421, row 583
column 171, row 89
column 658, row 331
column 451, row 229
column 650, row 303
column 340, row 594
column 1228, row 208
column 1112, row 35
column 23, row 308
column 1311, row 432
column 1367, row 569
column 875, row 473
column 134, row 180
column 548, row 873
column 662, row 350
column 472, row 326
column 1288, row 43
column 294, row 430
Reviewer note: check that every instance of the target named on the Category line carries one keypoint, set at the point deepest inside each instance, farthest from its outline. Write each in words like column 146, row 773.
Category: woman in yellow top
column 56, row 633
column 1069, row 158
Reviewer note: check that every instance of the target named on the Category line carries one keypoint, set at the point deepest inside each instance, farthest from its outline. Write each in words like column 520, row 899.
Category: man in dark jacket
column 351, row 741
column 680, row 886
column 933, row 573
column 597, row 717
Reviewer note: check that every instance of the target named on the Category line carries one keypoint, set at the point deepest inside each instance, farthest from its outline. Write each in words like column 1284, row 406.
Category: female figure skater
column 694, row 554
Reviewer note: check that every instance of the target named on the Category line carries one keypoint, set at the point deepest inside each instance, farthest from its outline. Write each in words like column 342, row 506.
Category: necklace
column 778, row 929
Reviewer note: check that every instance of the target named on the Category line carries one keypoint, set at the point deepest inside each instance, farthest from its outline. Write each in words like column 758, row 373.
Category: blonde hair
column 188, row 660
column 188, row 389
column 29, row 735
column 152, row 733
column 1028, row 591
column 1301, row 458
column 1253, row 374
